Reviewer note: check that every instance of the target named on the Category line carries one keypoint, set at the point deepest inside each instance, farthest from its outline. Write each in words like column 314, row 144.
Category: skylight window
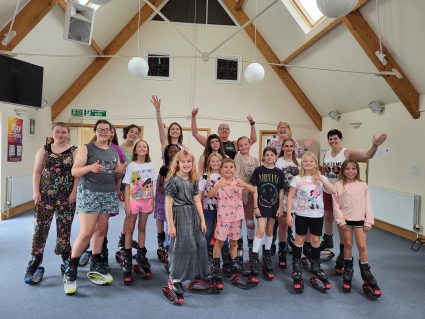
column 305, row 12
column 87, row 3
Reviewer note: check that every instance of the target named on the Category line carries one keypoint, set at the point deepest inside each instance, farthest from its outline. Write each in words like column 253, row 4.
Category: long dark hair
column 101, row 122
column 147, row 157
column 180, row 140
column 282, row 153
column 208, row 150
column 114, row 140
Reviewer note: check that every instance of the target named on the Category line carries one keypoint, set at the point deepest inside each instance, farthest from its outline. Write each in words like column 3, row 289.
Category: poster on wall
column 14, row 139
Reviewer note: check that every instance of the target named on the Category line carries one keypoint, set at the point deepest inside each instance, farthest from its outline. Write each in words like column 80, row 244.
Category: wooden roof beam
column 26, row 20
column 281, row 72
column 113, row 47
column 93, row 44
column 369, row 42
column 239, row 4
column 319, row 35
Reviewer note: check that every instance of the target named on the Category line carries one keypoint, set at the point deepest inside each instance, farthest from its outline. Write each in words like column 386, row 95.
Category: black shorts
column 305, row 224
column 355, row 223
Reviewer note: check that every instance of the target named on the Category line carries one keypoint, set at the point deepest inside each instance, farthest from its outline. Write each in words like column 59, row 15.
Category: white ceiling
column 402, row 24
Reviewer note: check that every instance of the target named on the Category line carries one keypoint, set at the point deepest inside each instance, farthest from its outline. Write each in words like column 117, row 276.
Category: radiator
column 396, row 208
column 18, row 190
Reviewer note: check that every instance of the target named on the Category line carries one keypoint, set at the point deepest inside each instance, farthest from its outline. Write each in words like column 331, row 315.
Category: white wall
column 31, row 143
column 405, row 145
column 126, row 98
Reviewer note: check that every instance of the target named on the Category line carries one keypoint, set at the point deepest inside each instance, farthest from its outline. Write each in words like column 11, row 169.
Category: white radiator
column 18, row 190
column 396, row 208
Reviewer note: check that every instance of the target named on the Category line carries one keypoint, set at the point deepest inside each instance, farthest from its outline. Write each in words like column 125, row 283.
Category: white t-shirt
column 205, row 186
column 309, row 196
column 141, row 178
column 333, row 165
column 290, row 170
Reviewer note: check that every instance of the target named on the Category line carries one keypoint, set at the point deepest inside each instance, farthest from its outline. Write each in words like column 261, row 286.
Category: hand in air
column 156, row 102
column 379, row 140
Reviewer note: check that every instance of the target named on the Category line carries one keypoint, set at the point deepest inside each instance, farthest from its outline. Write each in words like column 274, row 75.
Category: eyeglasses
column 224, row 129
column 103, row 130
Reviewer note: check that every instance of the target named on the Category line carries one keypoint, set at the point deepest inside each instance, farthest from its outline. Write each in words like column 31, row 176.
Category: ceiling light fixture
column 335, row 8
column 138, row 66
column 356, row 125
column 376, row 107
column 11, row 34
column 334, row 115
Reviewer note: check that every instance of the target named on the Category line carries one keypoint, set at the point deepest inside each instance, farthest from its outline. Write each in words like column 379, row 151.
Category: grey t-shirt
column 105, row 181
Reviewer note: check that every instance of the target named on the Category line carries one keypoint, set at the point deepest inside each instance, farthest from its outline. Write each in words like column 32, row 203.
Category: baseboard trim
column 407, row 234
column 17, row 210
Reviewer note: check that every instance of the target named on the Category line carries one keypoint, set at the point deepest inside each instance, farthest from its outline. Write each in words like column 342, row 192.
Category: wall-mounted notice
column 14, row 139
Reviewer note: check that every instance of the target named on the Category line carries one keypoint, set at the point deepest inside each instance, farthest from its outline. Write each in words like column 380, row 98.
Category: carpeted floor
column 399, row 271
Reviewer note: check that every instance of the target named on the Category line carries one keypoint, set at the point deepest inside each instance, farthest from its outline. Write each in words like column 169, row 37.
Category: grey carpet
column 400, row 273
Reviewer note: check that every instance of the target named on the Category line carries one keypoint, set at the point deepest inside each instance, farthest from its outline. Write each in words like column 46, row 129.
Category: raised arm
column 363, row 156
column 253, row 133
column 38, row 167
column 156, row 102
column 199, row 137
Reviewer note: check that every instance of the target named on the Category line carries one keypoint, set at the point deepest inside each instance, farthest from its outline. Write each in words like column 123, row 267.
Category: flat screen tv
column 20, row 82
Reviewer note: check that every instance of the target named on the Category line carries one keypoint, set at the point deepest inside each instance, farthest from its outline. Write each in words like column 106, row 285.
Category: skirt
column 188, row 253
column 96, row 202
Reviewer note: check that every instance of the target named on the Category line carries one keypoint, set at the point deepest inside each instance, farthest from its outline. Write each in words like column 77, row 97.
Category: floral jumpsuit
column 56, row 184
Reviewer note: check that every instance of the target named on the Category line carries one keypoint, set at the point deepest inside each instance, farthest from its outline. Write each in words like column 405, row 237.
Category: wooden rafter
column 239, row 4
column 93, row 44
column 318, row 36
column 112, row 48
column 369, row 42
column 26, row 20
column 281, row 72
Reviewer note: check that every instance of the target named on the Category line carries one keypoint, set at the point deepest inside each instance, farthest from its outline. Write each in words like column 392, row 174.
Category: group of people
column 199, row 209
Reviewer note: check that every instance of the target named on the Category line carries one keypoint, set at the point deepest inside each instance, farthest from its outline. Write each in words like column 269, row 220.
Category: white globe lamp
column 335, row 8
column 254, row 73
column 138, row 67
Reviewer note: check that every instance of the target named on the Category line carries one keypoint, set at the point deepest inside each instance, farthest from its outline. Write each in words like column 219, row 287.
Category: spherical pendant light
column 138, row 67
column 254, row 73
column 335, row 8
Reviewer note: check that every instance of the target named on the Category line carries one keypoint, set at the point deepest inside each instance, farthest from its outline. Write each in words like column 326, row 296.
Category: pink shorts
column 143, row 205
column 228, row 230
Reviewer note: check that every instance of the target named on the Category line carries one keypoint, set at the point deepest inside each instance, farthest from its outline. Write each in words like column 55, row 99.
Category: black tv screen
column 20, row 82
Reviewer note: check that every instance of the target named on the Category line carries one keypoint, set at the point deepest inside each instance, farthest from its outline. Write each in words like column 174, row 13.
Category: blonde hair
column 344, row 166
column 216, row 154
column 307, row 154
column 287, row 125
column 174, row 166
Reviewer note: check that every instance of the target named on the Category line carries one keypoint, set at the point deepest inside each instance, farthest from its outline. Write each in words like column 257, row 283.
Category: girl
column 308, row 189
column 213, row 145
column 186, row 224
column 230, row 147
column 230, row 214
column 54, row 194
column 97, row 198
column 131, row 134
column 245, row 165
column 206, row 183
column 288, row 163
column 353, row 214
column 169, row 152
column 268, row 197
column 332, row 162
column 139, row 198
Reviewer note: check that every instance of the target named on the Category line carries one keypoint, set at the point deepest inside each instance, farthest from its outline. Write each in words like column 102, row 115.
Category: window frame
column 164, row 53
column 305, row 15
column 237, row 58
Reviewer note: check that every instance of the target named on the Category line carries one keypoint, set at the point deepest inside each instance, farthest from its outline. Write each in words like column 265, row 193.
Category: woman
column 332, row 162
column 175, row 131
column 230, row 147
column 54, row 193
column 98, row 166
column 283, row 132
